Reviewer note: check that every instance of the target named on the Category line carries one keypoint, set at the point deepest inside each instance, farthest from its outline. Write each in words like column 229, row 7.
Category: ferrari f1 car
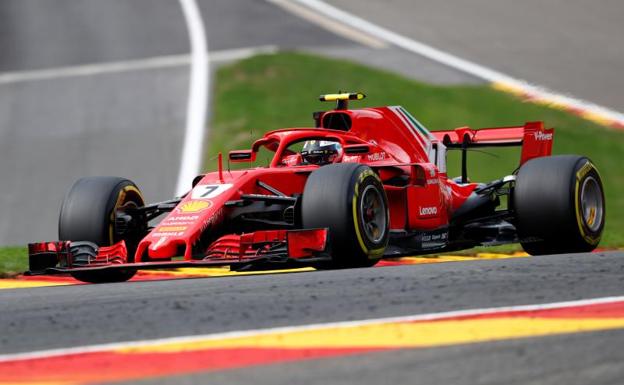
column 362, row 185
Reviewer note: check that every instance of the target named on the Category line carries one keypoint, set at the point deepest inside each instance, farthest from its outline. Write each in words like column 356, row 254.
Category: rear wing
column 536, row 141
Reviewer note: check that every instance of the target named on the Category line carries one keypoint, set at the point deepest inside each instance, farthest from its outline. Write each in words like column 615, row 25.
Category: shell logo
column 194, row 206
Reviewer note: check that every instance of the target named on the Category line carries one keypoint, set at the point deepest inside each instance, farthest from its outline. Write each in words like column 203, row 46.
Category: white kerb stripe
column 453, row 61
column 336, row 27
column 404, row 42
column 197, row 100
column 290, row 329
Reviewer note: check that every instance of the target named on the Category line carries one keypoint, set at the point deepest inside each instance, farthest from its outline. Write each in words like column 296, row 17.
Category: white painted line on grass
column 190, row 163
column 499, row 80
column 333, row 26
column 291, row 329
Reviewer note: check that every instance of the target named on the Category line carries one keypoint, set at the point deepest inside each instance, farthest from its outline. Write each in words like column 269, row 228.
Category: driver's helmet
column 320, row 152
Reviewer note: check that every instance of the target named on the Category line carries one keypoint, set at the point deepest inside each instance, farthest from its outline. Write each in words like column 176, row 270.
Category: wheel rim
column 128, row 197
column 373, row 214
column 592, row 206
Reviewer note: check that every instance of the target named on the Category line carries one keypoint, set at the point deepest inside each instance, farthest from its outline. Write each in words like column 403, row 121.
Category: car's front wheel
column 88, row 214
column 349, row 200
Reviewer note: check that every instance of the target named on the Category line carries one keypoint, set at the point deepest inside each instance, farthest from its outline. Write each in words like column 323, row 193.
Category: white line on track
column 290, row 329
column 241, row 53
column 503, row 81
column 131, row 65
column 197, row 100
column 330, row 25
column 94, row 69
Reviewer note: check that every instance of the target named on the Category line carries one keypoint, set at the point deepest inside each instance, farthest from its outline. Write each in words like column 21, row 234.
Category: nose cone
column 163, row 248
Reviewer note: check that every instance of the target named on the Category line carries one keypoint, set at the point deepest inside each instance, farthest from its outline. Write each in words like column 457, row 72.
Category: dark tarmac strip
column 59, row 317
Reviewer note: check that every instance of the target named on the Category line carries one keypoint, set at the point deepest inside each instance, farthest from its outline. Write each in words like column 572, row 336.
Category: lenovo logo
column 428, row 211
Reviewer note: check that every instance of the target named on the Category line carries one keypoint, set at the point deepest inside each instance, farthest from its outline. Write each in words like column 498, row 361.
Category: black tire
column 559, row 204
column 335, row 196
column 88, row 214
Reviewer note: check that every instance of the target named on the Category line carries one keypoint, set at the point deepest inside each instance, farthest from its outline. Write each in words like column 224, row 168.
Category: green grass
column 13, row 260
column 275, row 91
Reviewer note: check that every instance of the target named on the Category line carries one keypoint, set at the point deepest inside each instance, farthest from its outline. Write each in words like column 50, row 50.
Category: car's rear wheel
column 349, row 200
column 560, row 205
column 88, row 214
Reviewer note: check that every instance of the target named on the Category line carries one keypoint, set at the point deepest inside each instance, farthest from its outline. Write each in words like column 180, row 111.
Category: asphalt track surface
column 570, row 46
column 42, row 318
column 55, row 130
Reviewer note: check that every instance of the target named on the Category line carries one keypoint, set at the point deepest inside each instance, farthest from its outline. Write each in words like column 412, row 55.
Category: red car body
column 209, row 224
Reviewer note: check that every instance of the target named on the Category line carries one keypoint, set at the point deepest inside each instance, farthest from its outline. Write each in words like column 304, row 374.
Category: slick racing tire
column 560, row 205
column 349, row 200
column 88, row 214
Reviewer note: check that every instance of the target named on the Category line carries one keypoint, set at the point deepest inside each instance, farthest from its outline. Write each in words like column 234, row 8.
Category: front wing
column 238, row 251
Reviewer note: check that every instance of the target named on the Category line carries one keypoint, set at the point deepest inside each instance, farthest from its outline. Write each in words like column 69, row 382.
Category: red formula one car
column 364, row 184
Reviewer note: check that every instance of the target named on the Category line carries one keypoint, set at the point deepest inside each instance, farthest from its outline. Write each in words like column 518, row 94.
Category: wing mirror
column 242, row 156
